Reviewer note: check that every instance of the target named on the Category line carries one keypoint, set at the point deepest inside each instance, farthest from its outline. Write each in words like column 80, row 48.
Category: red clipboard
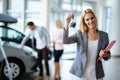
column 109, row 46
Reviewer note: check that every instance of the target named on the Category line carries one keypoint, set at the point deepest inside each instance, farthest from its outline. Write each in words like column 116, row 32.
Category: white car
column 20, row 60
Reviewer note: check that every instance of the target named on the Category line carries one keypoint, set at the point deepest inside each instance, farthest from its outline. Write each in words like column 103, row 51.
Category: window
column 24, row 11
column 16, row 5
column 108, row 19
column 9, row 34
column 60, row 8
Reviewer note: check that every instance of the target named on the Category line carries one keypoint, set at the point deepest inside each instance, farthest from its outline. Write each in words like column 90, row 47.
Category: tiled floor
column 111, row 67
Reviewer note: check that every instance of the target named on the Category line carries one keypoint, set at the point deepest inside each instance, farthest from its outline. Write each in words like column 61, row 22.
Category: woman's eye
column 92, row 18
column 87, row 19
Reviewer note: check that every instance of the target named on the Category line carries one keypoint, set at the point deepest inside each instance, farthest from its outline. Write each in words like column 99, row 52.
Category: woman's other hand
column 103, row 54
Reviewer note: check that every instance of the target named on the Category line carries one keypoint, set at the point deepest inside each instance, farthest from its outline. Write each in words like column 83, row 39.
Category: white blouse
column 91, row 53
column 57, row 37
column 89, row 73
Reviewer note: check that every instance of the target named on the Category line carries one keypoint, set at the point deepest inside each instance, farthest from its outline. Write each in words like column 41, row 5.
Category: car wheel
column 17, row 69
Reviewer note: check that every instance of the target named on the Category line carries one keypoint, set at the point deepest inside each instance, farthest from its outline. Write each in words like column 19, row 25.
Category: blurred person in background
column 42, row 38
column 58, row 48
column 89, row 47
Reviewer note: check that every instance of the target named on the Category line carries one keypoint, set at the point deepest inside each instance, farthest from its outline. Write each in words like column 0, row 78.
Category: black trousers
column 42, row 55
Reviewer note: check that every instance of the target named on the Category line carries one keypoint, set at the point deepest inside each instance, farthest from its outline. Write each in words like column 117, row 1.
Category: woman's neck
column 92, row 31
column 92, row 34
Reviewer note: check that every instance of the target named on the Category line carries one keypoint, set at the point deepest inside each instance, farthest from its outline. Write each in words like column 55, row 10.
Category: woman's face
column 57, row 24
column 90, row 20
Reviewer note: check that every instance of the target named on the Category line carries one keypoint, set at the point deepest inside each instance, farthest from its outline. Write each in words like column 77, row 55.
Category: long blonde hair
column 83, row 27
column 59, row 23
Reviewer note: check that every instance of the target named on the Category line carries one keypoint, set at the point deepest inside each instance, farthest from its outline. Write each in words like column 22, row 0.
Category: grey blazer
column 81, row 39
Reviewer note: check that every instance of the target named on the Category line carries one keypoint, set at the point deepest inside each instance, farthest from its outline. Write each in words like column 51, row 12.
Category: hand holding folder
column 109, row 46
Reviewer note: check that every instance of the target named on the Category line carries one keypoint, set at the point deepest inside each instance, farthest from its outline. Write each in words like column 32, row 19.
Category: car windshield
column 11, row 35
column 8, row 34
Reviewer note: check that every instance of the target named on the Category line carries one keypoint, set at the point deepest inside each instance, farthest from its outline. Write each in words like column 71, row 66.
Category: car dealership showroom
column 17, row 61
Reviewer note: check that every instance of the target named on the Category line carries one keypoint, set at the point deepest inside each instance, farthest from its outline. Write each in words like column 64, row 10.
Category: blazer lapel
column 85, row 40
column 99, row 43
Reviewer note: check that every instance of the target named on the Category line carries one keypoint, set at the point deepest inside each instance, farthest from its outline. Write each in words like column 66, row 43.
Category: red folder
column 109, row 46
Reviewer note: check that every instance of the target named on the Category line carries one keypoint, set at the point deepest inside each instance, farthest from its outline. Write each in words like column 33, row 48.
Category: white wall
column 115, row 29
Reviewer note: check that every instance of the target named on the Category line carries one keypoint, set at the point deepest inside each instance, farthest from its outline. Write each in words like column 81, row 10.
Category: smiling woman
column 89, row 47
column 88, row 18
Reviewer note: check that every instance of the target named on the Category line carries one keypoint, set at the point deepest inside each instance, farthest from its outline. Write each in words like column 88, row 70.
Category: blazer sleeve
column 109, row 53
column 69, row 39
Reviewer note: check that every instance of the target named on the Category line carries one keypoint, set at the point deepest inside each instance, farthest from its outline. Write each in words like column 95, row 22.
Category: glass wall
column 60, row 9
column 24, row 11
column 108, row 19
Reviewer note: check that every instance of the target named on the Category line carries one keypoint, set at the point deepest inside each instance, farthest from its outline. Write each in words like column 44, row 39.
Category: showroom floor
column 111, row 67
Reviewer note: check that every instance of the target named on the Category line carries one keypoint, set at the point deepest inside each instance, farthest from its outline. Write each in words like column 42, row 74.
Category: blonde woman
column 58, row 48
column 91, row 43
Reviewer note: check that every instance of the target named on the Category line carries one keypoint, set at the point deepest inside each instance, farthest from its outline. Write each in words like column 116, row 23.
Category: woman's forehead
column 89, row 15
